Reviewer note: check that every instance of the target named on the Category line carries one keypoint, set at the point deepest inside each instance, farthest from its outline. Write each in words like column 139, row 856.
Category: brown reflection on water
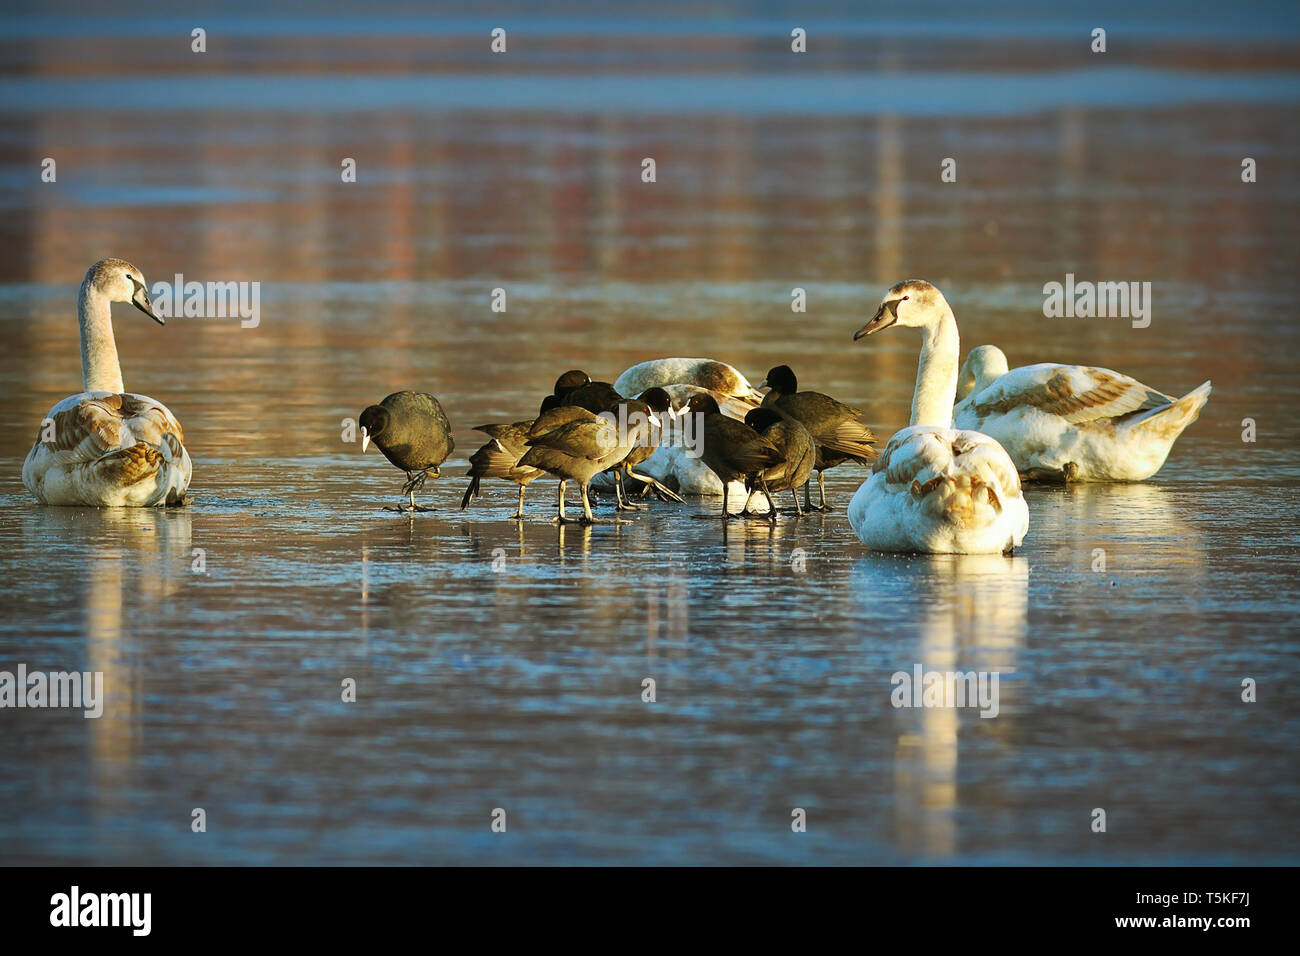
column 603, row 270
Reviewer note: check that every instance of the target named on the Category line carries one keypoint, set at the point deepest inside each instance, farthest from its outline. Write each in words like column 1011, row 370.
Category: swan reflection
column 129, row 564
column 971, row 616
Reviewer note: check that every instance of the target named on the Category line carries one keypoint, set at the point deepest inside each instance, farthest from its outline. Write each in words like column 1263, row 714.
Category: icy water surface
column 500, row 665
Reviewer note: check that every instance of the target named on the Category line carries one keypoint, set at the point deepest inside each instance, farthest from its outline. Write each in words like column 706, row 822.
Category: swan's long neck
column 936, row 375
column 100, row 371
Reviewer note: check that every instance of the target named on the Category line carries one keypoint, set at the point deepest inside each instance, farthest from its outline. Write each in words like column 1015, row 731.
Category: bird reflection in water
column 975, row 609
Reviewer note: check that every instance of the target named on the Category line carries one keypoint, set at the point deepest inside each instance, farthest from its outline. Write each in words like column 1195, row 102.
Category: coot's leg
column 519, row 512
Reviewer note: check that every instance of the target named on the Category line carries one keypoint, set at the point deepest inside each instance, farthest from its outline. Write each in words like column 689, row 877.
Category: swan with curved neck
column 106, row 446
column 936, row 489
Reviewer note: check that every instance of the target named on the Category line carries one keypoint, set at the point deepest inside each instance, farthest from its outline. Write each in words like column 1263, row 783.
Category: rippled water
column 502, row 666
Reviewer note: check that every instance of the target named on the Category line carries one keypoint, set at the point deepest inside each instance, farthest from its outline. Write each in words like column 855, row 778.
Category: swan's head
column 915, row 303
column 781, row 380
column 373, row 421
column 984, row 366
column 571, row 380
column 120, row 281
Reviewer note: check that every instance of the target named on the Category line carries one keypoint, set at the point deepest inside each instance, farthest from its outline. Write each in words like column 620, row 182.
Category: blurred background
column 521, row 688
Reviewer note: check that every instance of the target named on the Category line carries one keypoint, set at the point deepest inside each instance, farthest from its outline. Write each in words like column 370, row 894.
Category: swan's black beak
column 141, row 301
column 885, row 316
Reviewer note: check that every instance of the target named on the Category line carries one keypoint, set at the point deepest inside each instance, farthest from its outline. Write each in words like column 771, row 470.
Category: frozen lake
column 500, row 665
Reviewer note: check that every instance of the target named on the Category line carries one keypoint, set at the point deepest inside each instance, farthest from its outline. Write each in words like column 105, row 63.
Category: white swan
column 107, row 446
column 936, row 489
column 1072, row 422
column 706, row 373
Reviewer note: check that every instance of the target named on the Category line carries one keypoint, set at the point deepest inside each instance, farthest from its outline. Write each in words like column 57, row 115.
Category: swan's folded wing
column 912, row 455
column 921, row 454
column 151, row 422
column 1074, row 393
column 84, row 430
column 87, row 427
column 959, row 482
column 982, row 458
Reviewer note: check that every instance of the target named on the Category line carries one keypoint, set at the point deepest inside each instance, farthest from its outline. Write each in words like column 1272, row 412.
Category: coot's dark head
column 571, row 380
column 761, row 419
column 636, row 407
column 703, row 405
column 373, row 421
column 781, row 380
column 657, row 399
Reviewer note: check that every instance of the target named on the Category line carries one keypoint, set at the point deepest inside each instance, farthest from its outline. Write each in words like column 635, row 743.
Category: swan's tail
column 142, row 462
column 1166, row 423
column 128, row 465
